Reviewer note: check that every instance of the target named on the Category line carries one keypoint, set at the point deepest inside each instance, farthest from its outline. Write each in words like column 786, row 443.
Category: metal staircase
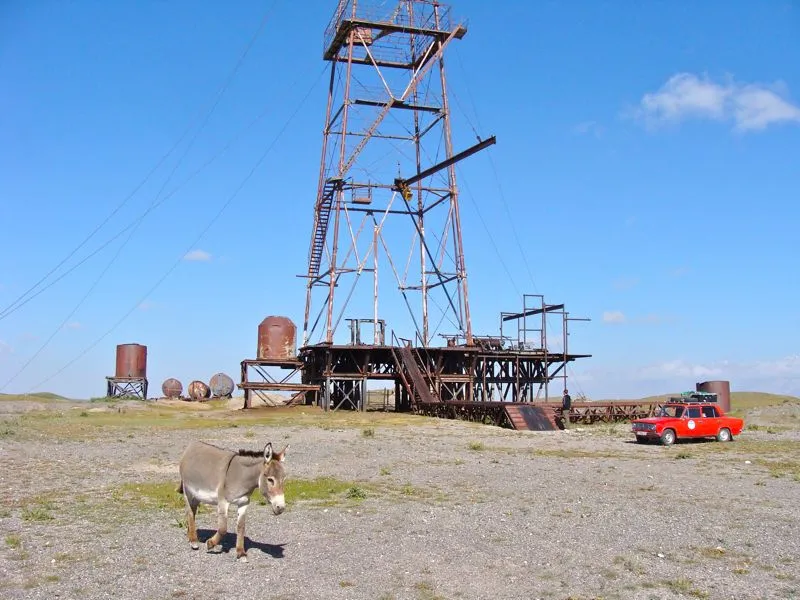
column 329, row 189
column 411, row 375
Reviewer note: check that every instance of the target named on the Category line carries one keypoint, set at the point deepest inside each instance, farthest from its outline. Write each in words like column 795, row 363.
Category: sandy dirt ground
column 389, row 508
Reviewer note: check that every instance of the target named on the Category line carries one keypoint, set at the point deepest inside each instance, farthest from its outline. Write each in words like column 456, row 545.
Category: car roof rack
column 694, row 398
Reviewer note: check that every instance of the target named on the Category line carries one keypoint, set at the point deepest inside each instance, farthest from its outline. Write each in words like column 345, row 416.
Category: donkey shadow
column 229, row 542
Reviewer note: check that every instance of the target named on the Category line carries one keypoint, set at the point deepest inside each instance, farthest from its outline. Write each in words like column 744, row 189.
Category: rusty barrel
column 199, row 390
column 721, row 388
column 221, row 386
column 277, row 339
column 131, row 361
column 172, row 388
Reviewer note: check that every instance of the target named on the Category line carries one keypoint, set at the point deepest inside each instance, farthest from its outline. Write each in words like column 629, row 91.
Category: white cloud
column 5, row 348
column 197, row 256
column 147, row 305
column 745, row 374
column 653, row 318
column 677, row 369
column 589, row 128
column 617, row 316
column 751, row 107
column 613, row 316
column 778, row 376
column 680, row 271
column 73, row 325
column 625, row 283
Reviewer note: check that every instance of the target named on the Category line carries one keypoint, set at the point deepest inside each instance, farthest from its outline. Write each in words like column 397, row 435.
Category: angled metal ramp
column 531, row 418
column 420, row 390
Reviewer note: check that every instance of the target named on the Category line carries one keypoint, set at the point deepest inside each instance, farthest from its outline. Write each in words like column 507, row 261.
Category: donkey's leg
column 241, row 514
column 222, row 525
column 191, row 521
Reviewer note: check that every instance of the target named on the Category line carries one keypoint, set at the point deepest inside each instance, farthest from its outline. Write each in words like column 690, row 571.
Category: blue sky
column 645, row 174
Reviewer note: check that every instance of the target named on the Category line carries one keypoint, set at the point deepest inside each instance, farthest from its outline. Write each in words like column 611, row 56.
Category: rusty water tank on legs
column 221, row 386
column 277, row 339
column 172, row 388
column 131, row 361
column 721, row 388
column 198, row 390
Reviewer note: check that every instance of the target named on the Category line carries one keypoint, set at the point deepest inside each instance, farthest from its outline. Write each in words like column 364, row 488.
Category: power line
column 20, row 300
column 194, row 243
column 489, row 233
column 150, row 209
column 494, row 167
column 140, row 220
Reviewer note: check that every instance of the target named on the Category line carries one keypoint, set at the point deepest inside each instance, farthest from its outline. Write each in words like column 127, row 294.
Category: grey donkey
column 212, row 475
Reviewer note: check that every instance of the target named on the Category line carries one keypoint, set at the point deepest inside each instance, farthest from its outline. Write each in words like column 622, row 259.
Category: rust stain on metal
column 221, row 385
column 172, row 388
column 721, row 388
column 199, row 390
column 131, row 360
column 277, row 338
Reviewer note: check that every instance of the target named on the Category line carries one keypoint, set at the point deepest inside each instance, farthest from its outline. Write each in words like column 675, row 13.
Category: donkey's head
column 270, row 482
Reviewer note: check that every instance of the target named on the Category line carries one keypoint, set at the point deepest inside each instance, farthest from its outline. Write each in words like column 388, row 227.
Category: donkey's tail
column 180, row 487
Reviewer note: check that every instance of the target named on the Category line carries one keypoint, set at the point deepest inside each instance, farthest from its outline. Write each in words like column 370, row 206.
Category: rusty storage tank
column 221, row 386
column 198, row 390
column 721, row 388
column 131, row 361
column 172, row 388
column 277, row 339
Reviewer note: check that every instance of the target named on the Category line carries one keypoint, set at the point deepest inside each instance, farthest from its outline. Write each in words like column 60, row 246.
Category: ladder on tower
column 321, row 230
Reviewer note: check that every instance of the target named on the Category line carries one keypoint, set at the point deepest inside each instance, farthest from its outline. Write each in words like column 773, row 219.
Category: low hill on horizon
column 37, row 396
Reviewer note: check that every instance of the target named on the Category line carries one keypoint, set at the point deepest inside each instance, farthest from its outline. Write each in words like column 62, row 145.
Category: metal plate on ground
column 537, row 418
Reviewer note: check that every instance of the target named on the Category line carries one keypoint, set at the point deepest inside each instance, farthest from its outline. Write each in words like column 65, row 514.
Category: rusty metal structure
column 198, row 391
column 387, row 197
column 130, row 376
column 277, row 339
column 172, row 388
column 221, row 386
column 275, row 367
column 721, row 388
column 387, row 233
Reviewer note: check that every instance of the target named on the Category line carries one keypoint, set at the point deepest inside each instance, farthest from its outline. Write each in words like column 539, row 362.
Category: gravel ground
column 452, row 510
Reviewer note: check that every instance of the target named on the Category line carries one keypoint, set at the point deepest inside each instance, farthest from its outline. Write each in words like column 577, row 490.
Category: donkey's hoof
column 194, row 545
column 242, row 558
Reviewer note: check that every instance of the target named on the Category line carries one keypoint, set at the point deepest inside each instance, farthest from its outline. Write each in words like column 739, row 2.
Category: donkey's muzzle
column 278, row 504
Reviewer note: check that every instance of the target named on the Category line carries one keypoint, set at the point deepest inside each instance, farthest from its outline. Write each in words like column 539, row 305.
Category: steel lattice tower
column 387, row 200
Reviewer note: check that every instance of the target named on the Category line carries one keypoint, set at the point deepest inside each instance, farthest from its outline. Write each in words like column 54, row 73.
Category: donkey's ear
column 268, row 452
column 282, row 454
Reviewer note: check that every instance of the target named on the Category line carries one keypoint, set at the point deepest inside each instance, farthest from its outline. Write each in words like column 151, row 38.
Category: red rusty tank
column 131, row 361
column 198, row 390
column 721, row 388
column 172, row 388
column 221, row 386
column 277, row 339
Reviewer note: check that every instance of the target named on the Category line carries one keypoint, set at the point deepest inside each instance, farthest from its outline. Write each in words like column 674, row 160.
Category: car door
column 709, row 422
column 694, row 421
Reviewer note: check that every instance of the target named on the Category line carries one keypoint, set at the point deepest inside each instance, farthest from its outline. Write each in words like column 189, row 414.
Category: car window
column 709, row 411
column 669, row 411
column 694, row 412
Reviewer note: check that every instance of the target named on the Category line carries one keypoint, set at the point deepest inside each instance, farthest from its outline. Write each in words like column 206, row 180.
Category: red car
column 678, row 420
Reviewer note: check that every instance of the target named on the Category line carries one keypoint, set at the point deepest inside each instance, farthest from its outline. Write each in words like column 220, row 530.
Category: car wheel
column 724, row 435
column 668, row 437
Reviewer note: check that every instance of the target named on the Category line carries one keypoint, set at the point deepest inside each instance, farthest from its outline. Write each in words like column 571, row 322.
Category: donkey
column 212, row 475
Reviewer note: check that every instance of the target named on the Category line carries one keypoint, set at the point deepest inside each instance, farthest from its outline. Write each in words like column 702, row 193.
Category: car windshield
column 669, row 411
